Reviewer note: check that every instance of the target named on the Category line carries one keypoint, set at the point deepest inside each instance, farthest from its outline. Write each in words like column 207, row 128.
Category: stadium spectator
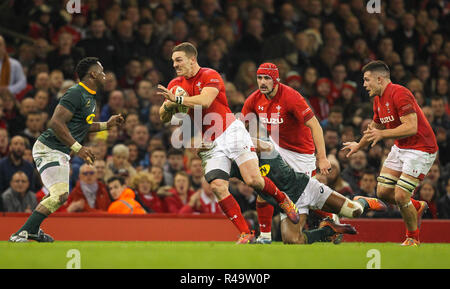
column 133, row 157
column 115, row 105
column 308, row 87
column 65, row 56
column 140, row 136
column 119, row 165
column 175, row 163
column 435, row 177
column 146, row 42
column 124, row 201
column 440, row 117
column 319, row 101
column 245, row 196
column 89, row 194
column 12, row 78
column 34, row 126
column 133, row 74
column 4, row 142
column 146, row 194
column 334, row 179
column 443, row 203
column 158, row 176
column 353, row 173
column 334, row 120
column 14, row 162
column 179, row 194
column 125, row 46
column 428, row 192
column 41, row 82
column 18, row 197
column 245, row 80
column 98, row 44
column 368, row 184
column 202, row 201
column 155, row 125
column 195, row 170
column 100, row 167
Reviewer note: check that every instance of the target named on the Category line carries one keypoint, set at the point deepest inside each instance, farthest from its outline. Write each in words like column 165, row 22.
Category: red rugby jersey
column 285, row 114
column 396, row 102
column 218, row 115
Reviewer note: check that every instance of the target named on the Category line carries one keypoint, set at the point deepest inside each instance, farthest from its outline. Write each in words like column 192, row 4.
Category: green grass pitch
column 220, row 255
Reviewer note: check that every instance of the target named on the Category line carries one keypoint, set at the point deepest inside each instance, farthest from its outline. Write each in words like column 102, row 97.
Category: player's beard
column 267, row 94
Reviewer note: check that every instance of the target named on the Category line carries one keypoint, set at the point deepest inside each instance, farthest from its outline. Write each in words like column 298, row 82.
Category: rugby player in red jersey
column 398, row 116
column 226, row 137
column 294, row 131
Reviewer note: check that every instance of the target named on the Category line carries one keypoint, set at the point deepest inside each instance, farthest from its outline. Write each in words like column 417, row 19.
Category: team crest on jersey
column 199, row 84
column 264, row 170
column 387, row 107
column 90, row 118
column 260, row 107
column 278, row 107
column 88, row 103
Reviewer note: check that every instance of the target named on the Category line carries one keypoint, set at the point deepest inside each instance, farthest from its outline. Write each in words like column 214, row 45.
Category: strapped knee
column 387, row 180
column 351, row 209
column 58, row 194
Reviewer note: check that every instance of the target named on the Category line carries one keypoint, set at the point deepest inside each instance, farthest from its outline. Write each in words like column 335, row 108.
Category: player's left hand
column 165, row 92
column 373, row 135
column 115, row 120
column 324, row 166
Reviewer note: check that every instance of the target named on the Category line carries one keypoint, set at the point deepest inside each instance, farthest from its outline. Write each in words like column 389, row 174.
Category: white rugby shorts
column 53, row 165
column 234, row 143
column 412, row 162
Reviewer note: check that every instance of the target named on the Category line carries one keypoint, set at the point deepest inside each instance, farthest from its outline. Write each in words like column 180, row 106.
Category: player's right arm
column 58, row 123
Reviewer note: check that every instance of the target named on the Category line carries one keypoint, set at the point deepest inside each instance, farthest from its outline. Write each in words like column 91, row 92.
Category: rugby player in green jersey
column 307, row 193
column 72, row 120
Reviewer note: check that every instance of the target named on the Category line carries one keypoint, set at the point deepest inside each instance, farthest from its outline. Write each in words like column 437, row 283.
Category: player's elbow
column 412, row 129
column 206, row 104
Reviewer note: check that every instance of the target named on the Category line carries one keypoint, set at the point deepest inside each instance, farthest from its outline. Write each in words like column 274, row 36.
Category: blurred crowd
column 319, row 47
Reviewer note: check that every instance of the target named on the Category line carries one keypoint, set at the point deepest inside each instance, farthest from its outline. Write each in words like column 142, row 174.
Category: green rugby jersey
column 80, row 100
column 281, row 174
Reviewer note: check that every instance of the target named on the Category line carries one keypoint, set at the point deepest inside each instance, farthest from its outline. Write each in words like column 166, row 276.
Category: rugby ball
column 179, row 91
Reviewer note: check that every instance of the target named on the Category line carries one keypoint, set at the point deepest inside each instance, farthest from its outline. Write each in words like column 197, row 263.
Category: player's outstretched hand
column 87, row 155
column 324, row 166
column 165, row 93
column 373, row 135
column 116, row 120
column 351, row 146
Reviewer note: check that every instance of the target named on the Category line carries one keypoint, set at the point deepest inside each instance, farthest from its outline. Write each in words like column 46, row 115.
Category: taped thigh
column 387, row 180
column 407, row 184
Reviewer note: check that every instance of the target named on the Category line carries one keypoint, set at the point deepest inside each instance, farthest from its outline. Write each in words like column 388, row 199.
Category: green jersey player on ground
column 307, row 193
column 72, row 120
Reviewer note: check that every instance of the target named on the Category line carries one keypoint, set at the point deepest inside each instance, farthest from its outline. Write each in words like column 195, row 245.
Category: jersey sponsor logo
column 264, row 170
column 90, row 118
column 387, row 119
column 88, row 103
column 271, row 120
